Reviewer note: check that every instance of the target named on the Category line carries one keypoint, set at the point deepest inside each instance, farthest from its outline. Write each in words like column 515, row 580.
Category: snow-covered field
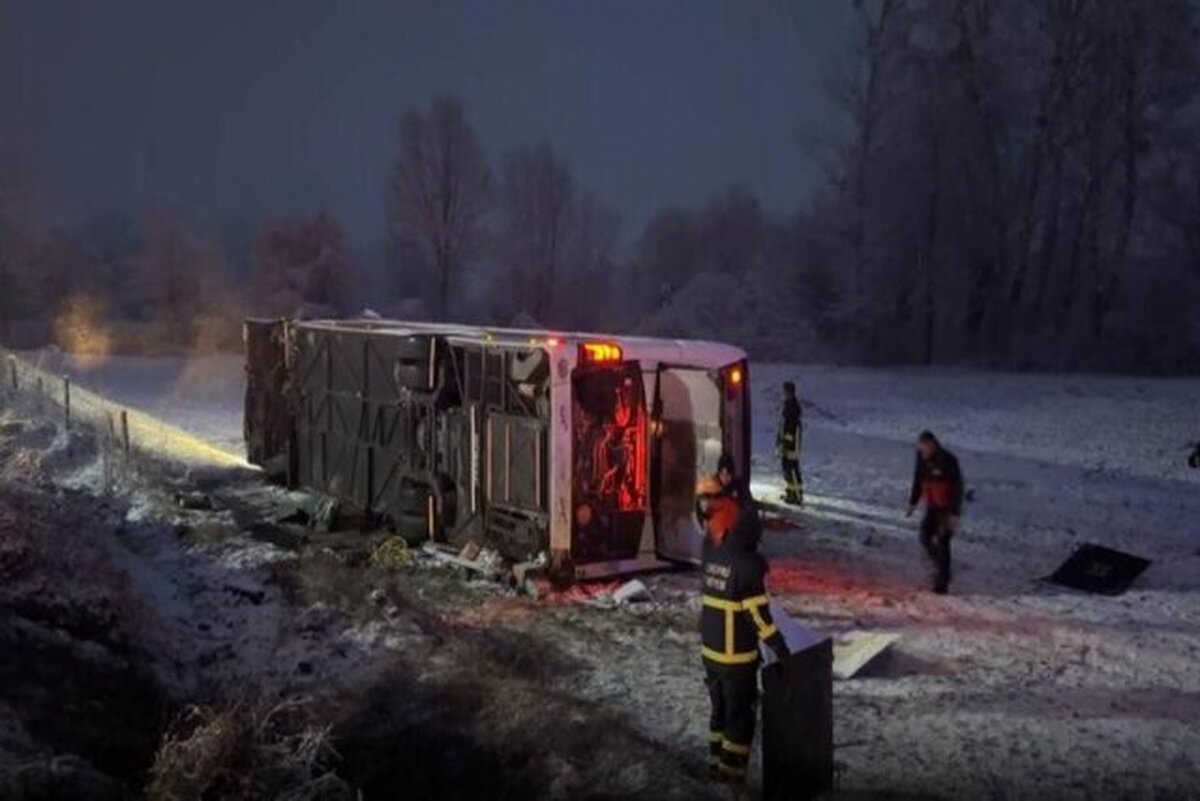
column 1008, row 688
column 203, row 394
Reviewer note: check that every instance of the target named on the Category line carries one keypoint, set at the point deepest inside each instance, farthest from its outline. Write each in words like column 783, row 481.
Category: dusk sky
column 232, row 108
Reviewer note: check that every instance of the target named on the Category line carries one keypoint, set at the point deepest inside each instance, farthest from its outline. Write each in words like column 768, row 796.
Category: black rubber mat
column 1096, row 569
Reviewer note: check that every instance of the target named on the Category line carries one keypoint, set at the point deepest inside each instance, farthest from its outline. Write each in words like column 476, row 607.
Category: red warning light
column 599, row 353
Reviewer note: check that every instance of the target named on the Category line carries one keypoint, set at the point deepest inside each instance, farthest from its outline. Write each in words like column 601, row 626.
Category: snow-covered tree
column 991, row 196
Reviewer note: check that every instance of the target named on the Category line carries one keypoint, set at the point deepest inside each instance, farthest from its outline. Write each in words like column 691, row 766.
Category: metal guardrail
column 127, row 429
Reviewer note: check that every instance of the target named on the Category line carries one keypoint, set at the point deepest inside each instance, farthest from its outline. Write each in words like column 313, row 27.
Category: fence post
column 67, row 400
column 125, row 429
column 12, row 371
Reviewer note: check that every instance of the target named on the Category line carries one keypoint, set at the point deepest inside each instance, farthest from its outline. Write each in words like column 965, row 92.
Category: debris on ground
column 392, row 554
column 194, row 501
column 631, row 592
column 486, row 563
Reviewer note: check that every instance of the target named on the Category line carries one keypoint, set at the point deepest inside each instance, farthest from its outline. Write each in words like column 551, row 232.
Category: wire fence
column 124, row 429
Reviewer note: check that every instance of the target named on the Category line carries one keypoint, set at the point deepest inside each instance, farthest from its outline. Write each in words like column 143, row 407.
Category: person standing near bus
column 788, row 443
column 734, row 618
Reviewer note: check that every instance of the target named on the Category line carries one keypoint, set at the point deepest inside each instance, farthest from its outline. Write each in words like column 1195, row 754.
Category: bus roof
column 684, row 352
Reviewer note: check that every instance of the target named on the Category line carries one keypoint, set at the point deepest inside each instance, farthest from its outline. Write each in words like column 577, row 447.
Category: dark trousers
column 733, row 692
column 793, row 481
column 935, row 537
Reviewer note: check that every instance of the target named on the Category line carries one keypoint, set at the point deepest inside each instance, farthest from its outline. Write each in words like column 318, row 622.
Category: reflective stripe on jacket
column 734, row 614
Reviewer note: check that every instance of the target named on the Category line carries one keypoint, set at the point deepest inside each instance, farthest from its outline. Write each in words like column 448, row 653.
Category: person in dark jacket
column 1194, row 459
column 734, row 618
column 731, row 483
column 788, row 443
column 727, row 484
column 937, row 480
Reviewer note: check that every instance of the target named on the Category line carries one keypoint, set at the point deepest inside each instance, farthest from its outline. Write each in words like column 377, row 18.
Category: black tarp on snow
column 1096, row 569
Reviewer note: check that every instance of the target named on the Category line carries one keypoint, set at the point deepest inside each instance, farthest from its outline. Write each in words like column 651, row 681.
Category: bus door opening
column 690, row 407
column 609, row 492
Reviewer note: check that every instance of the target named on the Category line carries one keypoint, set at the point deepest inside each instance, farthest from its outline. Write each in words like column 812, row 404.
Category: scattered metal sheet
column 798, row 638
column 631, row 592
column 855, row 650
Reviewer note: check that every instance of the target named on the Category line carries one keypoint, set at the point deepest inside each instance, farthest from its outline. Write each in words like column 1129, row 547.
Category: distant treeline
column 1014, row 184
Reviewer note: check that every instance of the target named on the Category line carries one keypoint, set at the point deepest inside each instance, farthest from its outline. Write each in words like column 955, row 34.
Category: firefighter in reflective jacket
column 788, row 443
column 734, row 618
column 727, row 484
column 937, row 480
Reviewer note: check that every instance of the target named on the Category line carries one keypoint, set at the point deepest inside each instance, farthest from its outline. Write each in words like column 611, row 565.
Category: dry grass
column 354, row 586
column 250, row 749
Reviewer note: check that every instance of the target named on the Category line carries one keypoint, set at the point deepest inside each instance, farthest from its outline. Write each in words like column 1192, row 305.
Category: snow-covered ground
column 1008, row 688
column 201, row 394
column 1009, row 682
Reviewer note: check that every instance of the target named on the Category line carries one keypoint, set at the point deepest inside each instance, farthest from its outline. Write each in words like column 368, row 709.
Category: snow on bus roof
column 679, row 351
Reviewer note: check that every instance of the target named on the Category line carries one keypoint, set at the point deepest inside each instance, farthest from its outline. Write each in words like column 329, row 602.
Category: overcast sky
column 257, row 108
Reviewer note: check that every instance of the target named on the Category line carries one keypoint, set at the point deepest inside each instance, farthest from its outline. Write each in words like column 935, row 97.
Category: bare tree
column 999, row 157
column 864, row 96
column 671, row 249
column 733, row 232
column 181, row 276
column 299, row 263
column 440, row 190
column 539, row 225
column 590, row 279
column 17, row 243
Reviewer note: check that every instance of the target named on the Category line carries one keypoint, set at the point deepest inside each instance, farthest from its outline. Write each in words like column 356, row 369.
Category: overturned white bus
column 584, row 447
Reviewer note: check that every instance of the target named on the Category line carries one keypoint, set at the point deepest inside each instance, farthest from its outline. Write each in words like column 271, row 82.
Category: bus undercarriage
column 517, row 440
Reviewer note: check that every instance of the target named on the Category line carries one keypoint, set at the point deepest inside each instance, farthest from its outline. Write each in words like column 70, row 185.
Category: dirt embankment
column 83, row 712
column 152, row 646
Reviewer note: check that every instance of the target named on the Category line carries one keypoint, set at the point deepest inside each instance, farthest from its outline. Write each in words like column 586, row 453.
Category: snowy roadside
column 1009, row 688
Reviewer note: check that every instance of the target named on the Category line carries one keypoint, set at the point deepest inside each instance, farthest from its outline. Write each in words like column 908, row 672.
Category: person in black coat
column 1194, row 459
column 731, row 483
column 937, row 480
column 788, row 443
